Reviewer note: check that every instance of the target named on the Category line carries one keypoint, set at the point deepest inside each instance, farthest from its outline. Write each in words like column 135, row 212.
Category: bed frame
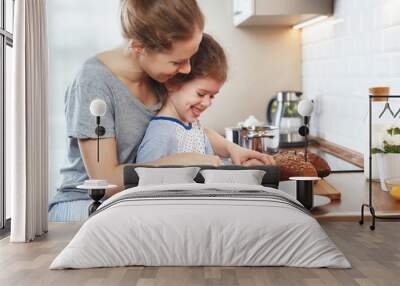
column 270, row 179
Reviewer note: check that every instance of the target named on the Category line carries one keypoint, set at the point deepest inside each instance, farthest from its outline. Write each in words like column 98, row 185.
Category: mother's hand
column 243, row 156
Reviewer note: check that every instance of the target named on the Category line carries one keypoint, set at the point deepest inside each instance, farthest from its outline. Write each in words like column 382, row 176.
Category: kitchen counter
column 339, row 158
column 348, row 179
column 353, row 188
column 354, row 192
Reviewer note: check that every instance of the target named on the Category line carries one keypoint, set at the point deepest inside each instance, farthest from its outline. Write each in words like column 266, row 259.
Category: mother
column 161, row 37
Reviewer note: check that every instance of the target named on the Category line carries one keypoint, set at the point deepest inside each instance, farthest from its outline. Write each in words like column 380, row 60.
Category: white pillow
column 248, row 177
column 164, row 176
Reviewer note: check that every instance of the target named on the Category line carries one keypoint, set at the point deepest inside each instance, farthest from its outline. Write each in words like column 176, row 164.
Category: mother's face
column 165, row 65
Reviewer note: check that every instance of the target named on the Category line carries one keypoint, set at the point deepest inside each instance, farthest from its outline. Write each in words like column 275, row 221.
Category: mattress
column 201, row 225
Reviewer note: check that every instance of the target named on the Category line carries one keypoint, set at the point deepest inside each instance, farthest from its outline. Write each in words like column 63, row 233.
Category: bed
column 198, row 224
column 72, row 205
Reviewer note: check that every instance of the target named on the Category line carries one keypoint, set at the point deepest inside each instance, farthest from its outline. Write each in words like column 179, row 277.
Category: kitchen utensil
column 263, row 138
column 282, row 111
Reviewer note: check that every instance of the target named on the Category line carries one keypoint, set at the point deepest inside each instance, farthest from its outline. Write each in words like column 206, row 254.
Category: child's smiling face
column 192, row 98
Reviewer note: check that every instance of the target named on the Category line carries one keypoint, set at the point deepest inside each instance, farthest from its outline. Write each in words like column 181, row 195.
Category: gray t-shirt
column 167, row 136
column 126, row 118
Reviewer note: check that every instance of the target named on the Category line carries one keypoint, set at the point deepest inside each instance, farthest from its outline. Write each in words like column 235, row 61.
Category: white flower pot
column 388, row 167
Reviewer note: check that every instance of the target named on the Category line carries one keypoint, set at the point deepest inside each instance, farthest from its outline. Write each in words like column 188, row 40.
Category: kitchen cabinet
column 278, row 12
column 242, row 10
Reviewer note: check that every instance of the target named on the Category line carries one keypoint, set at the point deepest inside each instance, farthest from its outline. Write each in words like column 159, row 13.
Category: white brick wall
column 341, row 61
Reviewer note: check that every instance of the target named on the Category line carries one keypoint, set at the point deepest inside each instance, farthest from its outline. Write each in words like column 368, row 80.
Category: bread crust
column 292, row 164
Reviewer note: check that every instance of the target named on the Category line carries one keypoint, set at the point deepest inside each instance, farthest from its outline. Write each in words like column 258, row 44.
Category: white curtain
column 28, row 115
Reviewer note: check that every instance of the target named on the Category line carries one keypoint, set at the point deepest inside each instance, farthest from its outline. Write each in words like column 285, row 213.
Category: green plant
column 389, row 147
column 393, row 131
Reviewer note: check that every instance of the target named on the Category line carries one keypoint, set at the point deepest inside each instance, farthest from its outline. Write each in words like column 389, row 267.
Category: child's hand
column 240, row 155
column 253, row 162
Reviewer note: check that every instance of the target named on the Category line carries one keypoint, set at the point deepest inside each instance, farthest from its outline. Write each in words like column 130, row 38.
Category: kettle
column 282, row 112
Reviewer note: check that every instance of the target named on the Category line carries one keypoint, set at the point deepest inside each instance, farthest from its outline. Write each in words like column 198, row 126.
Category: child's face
column 191, row 99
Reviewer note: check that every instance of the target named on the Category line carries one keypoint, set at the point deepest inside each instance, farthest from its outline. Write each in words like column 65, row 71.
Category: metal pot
column 233, row 134
column 263, row 138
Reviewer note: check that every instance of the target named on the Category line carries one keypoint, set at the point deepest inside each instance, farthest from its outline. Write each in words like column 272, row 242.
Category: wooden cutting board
column 323, row 188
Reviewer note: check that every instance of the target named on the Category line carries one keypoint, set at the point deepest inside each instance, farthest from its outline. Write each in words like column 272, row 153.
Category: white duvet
column 190, row 230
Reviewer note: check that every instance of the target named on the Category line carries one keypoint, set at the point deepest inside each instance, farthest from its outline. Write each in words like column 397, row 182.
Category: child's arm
column 239, row 155
column 159, row 147
column 109, row 168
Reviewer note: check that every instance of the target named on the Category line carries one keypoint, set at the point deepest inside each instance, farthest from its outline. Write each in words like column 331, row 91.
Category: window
column 6, row 44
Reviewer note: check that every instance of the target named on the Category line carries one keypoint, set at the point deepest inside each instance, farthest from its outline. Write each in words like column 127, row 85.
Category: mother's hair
column 157, row 24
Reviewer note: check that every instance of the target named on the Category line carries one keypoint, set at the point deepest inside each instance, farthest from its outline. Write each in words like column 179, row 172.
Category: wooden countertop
column 353, row 187
column 344, row 153
column 354, row 191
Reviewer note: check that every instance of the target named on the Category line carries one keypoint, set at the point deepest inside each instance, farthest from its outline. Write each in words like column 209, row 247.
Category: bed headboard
column 270, row 179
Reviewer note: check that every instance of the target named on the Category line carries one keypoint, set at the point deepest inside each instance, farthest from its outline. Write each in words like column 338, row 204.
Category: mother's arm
column 239, row 155
column 109, row 168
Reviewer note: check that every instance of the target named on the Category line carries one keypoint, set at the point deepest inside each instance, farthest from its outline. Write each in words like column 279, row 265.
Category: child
column 176, row 128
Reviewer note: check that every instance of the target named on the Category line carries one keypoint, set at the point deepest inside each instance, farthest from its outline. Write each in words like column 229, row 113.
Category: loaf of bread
column 319, row 164
column 292, row 164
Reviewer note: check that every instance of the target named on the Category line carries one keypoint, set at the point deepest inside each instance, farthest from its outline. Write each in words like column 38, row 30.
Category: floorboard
column 375, row 257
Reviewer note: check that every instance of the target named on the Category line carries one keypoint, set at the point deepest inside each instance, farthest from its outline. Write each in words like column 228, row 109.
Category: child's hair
column 209, row 61
column 157, row 24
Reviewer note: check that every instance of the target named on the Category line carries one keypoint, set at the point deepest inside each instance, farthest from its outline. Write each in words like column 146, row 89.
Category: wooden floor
column 374, row 255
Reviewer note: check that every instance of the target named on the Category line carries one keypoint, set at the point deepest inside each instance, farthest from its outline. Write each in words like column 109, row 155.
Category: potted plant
column 388, row 155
